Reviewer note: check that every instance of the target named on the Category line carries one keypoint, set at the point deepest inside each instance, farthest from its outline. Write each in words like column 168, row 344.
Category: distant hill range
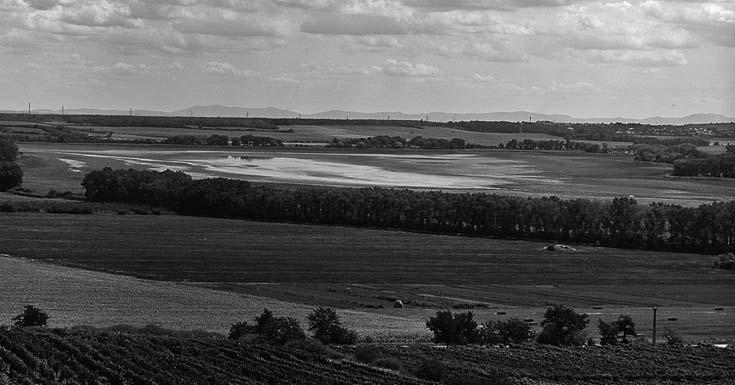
column 272, row 112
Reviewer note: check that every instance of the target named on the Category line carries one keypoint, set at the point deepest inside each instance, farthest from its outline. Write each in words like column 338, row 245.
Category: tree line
column 200, row 122
column 709, row 228
column 561, row 326
column 721, row 165
column 11, row 175
column 224, row 140
column 397, row 142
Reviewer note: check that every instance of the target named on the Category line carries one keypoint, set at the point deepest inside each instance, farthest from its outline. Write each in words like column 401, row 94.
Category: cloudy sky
column 584, row 58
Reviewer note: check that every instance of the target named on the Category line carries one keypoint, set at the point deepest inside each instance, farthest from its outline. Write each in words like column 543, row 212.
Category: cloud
column 123, row 68
column 43, row 4
column 225, row 68
column 98, row 14
column 446, row 5
column 230, row 24
column 659, row 58
column 341, row 24
column 484, row 78
column 371, row 42
column 393, row 67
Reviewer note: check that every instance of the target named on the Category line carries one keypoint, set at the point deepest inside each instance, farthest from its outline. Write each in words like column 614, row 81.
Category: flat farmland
column 79, row 297
column 366, row 269
column 526, row 173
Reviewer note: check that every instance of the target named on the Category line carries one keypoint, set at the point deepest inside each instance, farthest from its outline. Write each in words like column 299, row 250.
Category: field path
column 80, row 297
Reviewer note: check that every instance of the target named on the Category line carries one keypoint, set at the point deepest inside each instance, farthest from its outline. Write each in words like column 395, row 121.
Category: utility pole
column 62, row 110
column 29, row 108
column 131, row 112
column 655, row 308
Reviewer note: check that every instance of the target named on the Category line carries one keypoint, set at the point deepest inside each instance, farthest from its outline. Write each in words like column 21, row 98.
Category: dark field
column 220, row 250
column 367, row 269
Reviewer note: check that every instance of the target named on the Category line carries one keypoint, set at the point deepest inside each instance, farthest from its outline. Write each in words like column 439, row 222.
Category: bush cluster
column 561, row 326
column 327, row 327
column 273, row 330
column 11, row 175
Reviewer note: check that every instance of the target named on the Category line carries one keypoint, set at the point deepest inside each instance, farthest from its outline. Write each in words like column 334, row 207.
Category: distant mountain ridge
column 273, row 112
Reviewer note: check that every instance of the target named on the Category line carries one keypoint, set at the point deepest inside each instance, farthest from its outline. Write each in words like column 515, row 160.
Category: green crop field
column 366, row 269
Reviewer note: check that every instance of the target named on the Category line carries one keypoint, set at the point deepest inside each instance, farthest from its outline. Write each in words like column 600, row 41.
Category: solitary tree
column 327, row 328
column 8, row 150
column 561, row 324
column 31, row 316
column 11, row 175
column 617, row 331
column 458, row 329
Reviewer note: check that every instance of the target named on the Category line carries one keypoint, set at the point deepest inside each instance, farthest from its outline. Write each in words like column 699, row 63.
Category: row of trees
column 323, row 322
column 561, row 326
column 11, row 175
column 397, row 142
column 200, row 122
column 709, row 228
column 556, row 145
column 224, row 140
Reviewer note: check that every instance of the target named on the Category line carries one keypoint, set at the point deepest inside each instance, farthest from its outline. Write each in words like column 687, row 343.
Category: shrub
column 11, row 175
column 327, row 328
column 8, row 150
column 31, row 316
column 389, row 363
column 432, row 370
column 616, row 331
column 367, row 354
column 725, row 261
column 608, row 333
column 313, row 346
column 274, row 330
column 672, row 337
column 451, row 328
column 282, row 330
column 7, row 207
column 239, row 329
column 511, row 330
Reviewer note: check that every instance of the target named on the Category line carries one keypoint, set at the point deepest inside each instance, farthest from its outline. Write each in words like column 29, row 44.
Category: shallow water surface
column 425, row 171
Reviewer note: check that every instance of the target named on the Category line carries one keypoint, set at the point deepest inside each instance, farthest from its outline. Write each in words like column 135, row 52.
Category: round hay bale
column 398, row 304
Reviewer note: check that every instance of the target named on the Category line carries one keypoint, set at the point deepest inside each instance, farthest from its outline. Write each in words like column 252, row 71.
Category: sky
column 628, row 59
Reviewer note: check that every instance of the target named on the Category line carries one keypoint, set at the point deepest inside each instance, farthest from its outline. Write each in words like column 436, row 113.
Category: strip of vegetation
column 75, row 207
column 612, row 132
column 143, row 121
column 224, row 140
column 617, row 223
column 721, row 166
column 561, row 326
column 397, row 142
